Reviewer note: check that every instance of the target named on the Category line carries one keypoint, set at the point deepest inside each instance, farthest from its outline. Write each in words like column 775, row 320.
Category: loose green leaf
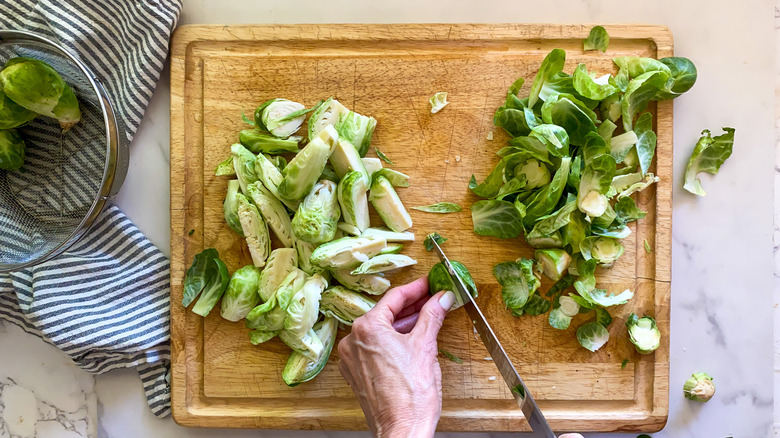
column 627, row 211
column 496, row 219
column 191, row 232
column 561, row 285
column 440, row 207
column 518, row 283
column 433, row 237
column 536, row 305
column 552, row 64
column 603, row 317
column 708, row 155
column 647, row 247
column 646, row 140
column 639, row 93
column 554, row 137
column 590, row 86
column 200, row 273
column 383, row 157
column 438, row 101
column 592, row 335
column 543, row 202
column 682, row 77
column 598, row 39
column 451, row 357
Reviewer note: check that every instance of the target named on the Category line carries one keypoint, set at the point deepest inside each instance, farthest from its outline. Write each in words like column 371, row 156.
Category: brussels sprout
column 536, row 173
column 281, row 117
column 438, row 101
column 345, row 159
column 439, row 279
column 396, row 178
column 430, row 239
column 256, row 231
column 707, row 156
column 353, row 198
column 387, row 203
column 205, row 272
column 244, row 164
column 592, row 335
column 699, row 387
column 347, row 252
column 344, row 305
column 303, row 310
column 383, row 263
column 326, row 113
column 270, row 315
column 303, row 171
column 538, row 240
column 586, row 288
column 371, row 164
column 554, row 262
column 643, row 332
column 279, row 265
column 358, row 130
column 299, row 368
column 681, row 79
column 36, row 86
column 368, row 283
column 305, row 250
column 390, row 236
column 605, row 250
column 518, row 283
column 273, row 212
column 257, row 337
column 241, row 295
column 309, row 345
column 260, row 142
column 11, row 150
column 13, row 115
column 649, row 180
column 317, row 216
column 225, row 168
column 230, row 207
column 611, row 108
column 391, row 248
column 594, row 185
column 348, row 229
column 561, row 316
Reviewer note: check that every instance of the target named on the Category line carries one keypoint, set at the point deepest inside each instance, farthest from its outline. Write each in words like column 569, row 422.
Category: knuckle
column 361, row 327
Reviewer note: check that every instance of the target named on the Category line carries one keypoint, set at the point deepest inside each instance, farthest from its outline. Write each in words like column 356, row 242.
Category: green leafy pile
column 581, row 144
column 315, row 200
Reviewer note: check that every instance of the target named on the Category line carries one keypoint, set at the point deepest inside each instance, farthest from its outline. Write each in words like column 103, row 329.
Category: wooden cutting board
column 389, row 72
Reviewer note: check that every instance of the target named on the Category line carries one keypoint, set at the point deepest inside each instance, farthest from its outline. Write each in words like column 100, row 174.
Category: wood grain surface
column 389, row 72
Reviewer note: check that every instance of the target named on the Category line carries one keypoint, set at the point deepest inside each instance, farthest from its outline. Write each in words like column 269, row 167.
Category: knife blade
column 513, row 380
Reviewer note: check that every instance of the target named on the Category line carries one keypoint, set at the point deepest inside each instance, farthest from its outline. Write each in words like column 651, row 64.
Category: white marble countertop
column 722, row 290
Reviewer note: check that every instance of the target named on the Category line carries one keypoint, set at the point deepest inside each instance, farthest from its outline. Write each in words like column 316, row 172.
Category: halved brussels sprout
column 357, row 129
column 308, row 345
column 230, row 207
column 389, row 206
column 36, row 86
column 11, row 150
column 327, row 113
column 273, row 212
column 317, row 216
column 242, row 293
column 303, row 310
column 554, row 262
column 345, row 305
column 281, row 117
column 279, row 265
column 244, row 164
column 605, row 250
column 396, row 178
column 368, row 283
column 353, row 197
column 260, row 142
column 305, row 250
column 299, row 368
column 349, row 229
column 303, row 171
column 439, row 279
column 270, row 175
column 13, row 115
column 643, row 332
column 270, row 315
column 225, row 168
column 347, row 252
column 345, row 159
column 255, row 230
column 371, row 164
column 699, row 387
column 384, row 263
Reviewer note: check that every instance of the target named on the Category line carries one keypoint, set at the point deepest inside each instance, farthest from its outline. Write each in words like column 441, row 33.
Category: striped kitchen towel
column 105, row 301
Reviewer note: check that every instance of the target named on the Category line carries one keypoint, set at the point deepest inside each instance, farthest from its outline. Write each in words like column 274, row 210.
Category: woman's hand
column 394, row 370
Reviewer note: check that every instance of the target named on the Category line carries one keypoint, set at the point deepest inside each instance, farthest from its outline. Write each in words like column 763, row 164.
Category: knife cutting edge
column 520, row 392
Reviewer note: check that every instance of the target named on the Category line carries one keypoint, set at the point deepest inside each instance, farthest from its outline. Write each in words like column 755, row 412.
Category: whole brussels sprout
column 35, row 85
column 12, row 115
column 11, row 150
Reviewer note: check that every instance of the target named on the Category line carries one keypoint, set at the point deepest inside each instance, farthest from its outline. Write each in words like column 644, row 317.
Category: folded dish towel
column 105, row 301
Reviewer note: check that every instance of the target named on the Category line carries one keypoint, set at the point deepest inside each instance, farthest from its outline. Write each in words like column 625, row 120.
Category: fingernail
column 447, row 300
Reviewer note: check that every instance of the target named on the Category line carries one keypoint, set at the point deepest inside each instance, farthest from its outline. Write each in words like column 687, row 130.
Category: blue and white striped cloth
column 105, row 301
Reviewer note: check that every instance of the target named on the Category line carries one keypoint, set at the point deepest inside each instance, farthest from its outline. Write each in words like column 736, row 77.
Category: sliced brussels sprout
column 358, row 130
column 349, row 229
column 347, row 252
column 270, row 315
column 260, row 142
column 649, row 180
column 554, row 262
column 326, row 113
column 439, row 279
column 279, row 265
column 371, row 164
column 36, row 86
column 303, row 310
column 644, row 334
column 318, row 215
column 368, row 283
column 257, row 337
column 242, row 293
column 558, row 320
column 299, row 368
column 560, row 317
column 592, row 335
column 230, row 207
column 383, row 263
column 303, row 171
column 568, row 306
column 244, row 164
column 535, row 172
column 432, row 238
column 13, row 115
column 344, row 305
column 438, row 101
column 353, row 198
column 518, row 283
column 225, row 168
column 396, row 178
column 255, row 230
column 388, row 235
column 594, row 185
column 621, row 145
column 305, row 250
column 308, row 345
column 699, row 387
column 586, row 288
column 11, row 150
column 389, row 206
column 281, row 117
column 538, row 240
column 273, row 212
column 391, row 248
column 605, row 250
column 345, row 159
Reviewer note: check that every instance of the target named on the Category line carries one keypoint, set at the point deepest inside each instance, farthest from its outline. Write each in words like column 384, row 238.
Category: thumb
column 432, row 315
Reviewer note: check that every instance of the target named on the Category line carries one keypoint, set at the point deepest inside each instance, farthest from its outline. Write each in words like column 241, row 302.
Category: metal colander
column 67, row 178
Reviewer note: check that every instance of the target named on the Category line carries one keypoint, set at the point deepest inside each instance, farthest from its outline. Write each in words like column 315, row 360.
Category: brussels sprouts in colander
column 13, row 115
column 11, row 150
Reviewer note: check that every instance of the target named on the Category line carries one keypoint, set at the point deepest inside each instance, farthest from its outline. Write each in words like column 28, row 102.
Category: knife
column 523, row 398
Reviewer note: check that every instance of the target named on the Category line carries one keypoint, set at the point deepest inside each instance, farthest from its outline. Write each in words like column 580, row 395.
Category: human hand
column 394, row 371
column 571, row 435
